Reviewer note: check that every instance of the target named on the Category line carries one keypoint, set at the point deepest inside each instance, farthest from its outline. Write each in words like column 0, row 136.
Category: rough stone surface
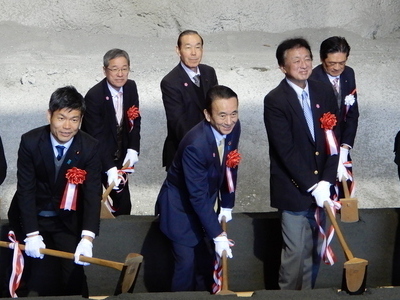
column 50, row 44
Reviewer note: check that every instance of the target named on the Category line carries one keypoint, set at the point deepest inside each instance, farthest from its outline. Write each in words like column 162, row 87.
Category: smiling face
column 117, row 72
column 298, row 65
column 190, row 50
column 334, row 63
column 224, row 114
column 64, row 124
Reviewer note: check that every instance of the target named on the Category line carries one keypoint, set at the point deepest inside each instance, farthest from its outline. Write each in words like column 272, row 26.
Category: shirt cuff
column 88, row 233
column 32, row 233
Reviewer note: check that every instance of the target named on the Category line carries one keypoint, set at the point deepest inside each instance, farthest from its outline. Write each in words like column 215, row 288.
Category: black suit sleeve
column 3, row 163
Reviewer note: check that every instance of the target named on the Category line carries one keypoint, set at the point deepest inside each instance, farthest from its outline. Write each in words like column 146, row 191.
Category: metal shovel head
column 128, row 276
column 355, row 276
column 349, row 210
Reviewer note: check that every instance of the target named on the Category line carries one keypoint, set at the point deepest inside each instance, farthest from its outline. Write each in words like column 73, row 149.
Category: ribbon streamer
column 217, row 273
column 17, row 265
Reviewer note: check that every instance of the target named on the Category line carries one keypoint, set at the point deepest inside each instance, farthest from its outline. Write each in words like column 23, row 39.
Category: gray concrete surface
column 47, row 44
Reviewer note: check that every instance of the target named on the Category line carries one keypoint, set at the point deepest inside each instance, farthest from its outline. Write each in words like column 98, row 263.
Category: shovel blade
column 355, row 276
column 129, row 273
column 349, row 210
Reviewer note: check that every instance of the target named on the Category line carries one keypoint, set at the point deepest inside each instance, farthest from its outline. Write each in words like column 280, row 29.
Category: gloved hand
column 112, row 174
column 84, row 248
column 221, row 244
column 33, row 245
column 227, row 212
column 322, row 193
column 343, row 157
column 132, row 156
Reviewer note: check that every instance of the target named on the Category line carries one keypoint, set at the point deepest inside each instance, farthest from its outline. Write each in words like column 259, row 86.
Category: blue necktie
column 307, row 112
column 60, row 150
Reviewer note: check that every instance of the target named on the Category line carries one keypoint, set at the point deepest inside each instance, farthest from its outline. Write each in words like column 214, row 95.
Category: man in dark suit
column 44, row 203
column 334, row 52
column 198, row 174
column 302, row 171
column 3, row 163
column 112, row 117
column 183, row 92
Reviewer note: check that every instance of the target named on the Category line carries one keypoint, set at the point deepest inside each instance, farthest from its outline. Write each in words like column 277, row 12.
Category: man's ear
column 207, row 115
column 49, row 115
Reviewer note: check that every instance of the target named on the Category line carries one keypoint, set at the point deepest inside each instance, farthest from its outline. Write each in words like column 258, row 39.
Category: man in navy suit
column 183, row 92
column 44, row 205
column 198, row 176
column 334, row 52
column 302, row 170
column 108, row 119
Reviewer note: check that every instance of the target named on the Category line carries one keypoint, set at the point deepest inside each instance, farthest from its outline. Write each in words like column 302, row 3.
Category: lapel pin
column 317, row 105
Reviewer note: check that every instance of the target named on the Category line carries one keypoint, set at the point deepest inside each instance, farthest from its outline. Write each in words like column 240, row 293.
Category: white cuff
column 32, row 233
column 88, row 233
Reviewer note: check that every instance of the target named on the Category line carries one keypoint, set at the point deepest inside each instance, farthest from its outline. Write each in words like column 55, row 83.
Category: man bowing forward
column 204, row 169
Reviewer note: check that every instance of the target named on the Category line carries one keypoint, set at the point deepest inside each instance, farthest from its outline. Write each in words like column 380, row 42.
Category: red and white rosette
column 17, row 265
column 133, row 113
column 232, row 161
column 349, row 100
column 75, row 176
column 328, row 121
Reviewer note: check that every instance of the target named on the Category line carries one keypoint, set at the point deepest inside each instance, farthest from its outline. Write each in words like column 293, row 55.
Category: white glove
column 227, row 212
column 322, row 193
column 113, row 177
column 221, row 244
column 343, row 157
column 132, row 156
column 84, row 248
column 33, row 245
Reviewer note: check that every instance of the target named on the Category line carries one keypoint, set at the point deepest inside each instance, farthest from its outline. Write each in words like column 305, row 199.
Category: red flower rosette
column 74, row 176
column 328, row 121
column 233, row 159
column 133, row 112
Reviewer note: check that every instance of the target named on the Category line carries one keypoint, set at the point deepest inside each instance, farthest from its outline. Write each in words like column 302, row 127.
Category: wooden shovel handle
column 345, row 188
column 339, row 234
column 68, row 255
column 111, row 186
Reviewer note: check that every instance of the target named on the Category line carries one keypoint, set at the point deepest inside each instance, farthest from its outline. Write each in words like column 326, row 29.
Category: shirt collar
column 298, row 89
column 113, row 91
column 188, row 71
column 54, row 143
column 218, row 136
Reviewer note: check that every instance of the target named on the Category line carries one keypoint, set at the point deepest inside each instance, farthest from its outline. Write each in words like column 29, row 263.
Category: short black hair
column 291, row 44
column 334, row 44
column 188, row 32
column 67, row 97
column 114, row 53
column 218, row 92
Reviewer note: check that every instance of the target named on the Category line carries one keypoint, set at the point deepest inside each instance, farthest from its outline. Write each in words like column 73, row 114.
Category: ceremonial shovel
column 224, row 288
column 129, row 269
column 105, row 212
column 355, row 269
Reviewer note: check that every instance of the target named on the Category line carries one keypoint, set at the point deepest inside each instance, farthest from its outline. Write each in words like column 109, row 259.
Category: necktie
column 307, row 113
column 221, row 147
column 60, row 150
column 335, row 84
column 118, row 106
column 197, row 80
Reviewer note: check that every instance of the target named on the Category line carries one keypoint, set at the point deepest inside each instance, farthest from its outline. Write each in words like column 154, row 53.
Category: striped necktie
column 307, row 112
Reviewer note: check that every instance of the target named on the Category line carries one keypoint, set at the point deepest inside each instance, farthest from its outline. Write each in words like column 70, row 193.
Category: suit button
column 316, row 153
column 316, row 172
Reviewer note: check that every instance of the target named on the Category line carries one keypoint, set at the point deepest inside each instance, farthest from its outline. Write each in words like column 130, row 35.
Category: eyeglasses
column 116, row 70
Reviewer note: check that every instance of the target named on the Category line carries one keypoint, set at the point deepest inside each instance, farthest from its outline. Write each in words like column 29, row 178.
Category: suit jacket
column 3, row 163
column 186, row 201
column 100, row 121
column 37, row 185
column 297, row 161
column 348, row 122
column 182, row 105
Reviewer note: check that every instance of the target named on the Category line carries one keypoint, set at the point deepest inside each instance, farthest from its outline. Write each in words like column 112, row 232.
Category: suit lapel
column 46, row 150
column 189, row 87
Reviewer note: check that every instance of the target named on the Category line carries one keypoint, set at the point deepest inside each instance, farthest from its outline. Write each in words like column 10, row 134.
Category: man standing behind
column 302, row 170
column 183, row 92
column 113, row 118
column 334, row 52
column 54, row 161
column 204, row 166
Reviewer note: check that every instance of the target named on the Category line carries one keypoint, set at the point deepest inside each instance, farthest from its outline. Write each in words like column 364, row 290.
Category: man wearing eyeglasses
column 107, row 120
